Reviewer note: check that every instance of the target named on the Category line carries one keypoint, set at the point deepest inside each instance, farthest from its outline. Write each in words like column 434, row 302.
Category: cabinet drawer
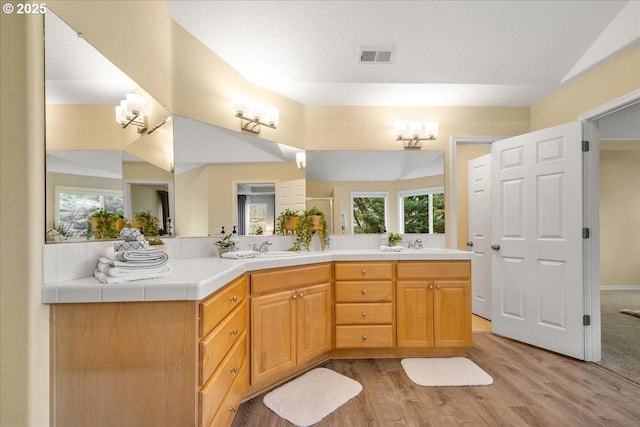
column 216, row 345
column 371, row 313
column 366, row 291
column 364, row 271
column 434, row 270
column 217, row 307
column 231, row 369
column 364, row 336
column 289, row 278
column 229, row 407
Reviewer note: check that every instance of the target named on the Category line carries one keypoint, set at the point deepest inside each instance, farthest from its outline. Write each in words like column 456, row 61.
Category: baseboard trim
column 620, row 287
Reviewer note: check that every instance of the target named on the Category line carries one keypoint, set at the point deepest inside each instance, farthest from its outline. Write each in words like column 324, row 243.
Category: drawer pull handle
column 233, row 298
column 234, row 332
column 364, row 271
column 364, row 292
column 364, row 314
column 364, row 338
column 233, row 409
column 301, row 295
column 234, row 370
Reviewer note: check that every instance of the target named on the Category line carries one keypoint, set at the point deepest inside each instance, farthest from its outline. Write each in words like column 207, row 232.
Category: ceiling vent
column 369, row 55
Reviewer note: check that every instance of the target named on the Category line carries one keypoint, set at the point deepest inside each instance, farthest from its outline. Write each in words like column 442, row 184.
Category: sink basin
column 277, row 254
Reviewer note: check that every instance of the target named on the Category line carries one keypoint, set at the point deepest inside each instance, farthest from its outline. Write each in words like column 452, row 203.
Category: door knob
column 470, row 244
column 495, row 247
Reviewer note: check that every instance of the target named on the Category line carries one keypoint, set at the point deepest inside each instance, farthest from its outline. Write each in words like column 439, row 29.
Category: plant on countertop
column 147, row 222
column 287, row 221
column 394, row 239
column 155, row 242
column 312, row 221
column 225, row 242
column 103, row 224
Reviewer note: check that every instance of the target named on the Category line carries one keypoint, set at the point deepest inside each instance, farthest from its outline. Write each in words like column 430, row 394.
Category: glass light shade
column 272, row 116
column 240, row 103
column 415, row 129
column 400, row 128
column 135, row 102
column 256, row 110
column 431, row 129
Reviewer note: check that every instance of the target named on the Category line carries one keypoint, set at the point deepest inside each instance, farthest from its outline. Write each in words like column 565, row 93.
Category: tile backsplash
column 73, row 260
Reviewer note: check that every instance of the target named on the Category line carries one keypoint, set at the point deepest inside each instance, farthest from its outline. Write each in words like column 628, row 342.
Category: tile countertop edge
column 197, row 278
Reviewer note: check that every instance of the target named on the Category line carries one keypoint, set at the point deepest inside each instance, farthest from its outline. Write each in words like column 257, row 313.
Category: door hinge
column 586, row 233
column 586, row 320
column 585, row 146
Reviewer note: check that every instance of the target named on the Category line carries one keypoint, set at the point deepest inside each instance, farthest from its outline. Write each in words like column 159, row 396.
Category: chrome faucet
column 417, row 244
column 264, row 247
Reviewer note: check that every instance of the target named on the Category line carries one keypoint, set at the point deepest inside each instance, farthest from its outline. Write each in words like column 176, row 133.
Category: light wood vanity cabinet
column 364, row 304
column 291, row 321
column 223, row 368
column 433, row 304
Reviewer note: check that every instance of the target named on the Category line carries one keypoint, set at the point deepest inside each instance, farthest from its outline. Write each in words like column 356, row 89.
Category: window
column 369, row 211
column 421, row 210
column 74, row 205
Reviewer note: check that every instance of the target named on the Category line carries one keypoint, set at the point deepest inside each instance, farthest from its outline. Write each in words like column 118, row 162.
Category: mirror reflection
column 378, row 191
column 94, row 166
column 231, row 179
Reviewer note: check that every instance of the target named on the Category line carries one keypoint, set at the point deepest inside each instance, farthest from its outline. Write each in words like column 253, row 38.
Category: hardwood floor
column 532, row 387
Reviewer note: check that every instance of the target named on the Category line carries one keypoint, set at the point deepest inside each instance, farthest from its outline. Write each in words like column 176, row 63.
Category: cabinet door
column 452, row 314
column 273, row 332
column 414, row 315
column 313, row 313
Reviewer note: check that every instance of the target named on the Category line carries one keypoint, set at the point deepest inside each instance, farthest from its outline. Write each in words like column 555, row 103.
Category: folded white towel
column 385, row 248
column 140, row 275
column 239, row 254
column 142, row 256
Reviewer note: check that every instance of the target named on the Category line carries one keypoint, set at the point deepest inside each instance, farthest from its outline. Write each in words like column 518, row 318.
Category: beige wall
column 24, row 321
column 620, row 213
column 464, row 153
column 612, row 80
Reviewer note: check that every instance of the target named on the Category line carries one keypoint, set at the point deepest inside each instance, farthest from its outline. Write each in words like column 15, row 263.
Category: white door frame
column 451, row 193
column 591, row 185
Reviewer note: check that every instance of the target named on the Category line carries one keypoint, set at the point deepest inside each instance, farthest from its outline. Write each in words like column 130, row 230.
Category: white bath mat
column 312, row 396
column 443, row 372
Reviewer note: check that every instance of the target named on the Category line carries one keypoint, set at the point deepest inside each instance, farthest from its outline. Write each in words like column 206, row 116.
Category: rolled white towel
column 239, row 254
column 140, row 275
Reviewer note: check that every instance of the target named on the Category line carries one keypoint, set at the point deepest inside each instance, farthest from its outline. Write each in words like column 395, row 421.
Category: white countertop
column 197, row 278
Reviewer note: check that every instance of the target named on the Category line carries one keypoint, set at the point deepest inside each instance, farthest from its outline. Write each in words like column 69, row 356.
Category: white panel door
column 292, row 195
column 537, row 261
column 479, row 237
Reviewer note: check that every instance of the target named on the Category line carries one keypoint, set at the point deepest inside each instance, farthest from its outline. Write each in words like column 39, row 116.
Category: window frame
column 427, row 191
column 370, row 194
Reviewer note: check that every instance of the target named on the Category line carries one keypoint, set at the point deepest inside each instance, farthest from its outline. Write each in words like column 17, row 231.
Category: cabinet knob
column 233, row 409
column 430, row 286
column 364, row 314
column 234, row 332
column 301, row 295
column 364, row 292
column 364, row 338
column 438, row 287
column 295, row 297
column 364, row 271
column 233, row 298
column 234, row 370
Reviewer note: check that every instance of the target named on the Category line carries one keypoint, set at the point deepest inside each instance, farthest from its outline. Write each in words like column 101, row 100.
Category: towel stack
column 133, row 239
column 133, row 264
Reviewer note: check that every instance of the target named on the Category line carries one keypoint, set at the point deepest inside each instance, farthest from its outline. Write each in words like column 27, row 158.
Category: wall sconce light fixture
column 254, row 114
column 301, row 159
column 131, row 112
column 413, row 133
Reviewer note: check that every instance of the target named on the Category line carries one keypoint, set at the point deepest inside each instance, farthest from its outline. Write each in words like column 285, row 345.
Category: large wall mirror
column 92, row 163
column 375, row 191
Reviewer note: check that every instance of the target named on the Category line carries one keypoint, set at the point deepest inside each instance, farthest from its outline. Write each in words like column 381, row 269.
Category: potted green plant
column 287, row 222
column 225, row 244
column 394, row 239
column 103, row 224
column 312, row 221
column 157, row 243
column 146, row 222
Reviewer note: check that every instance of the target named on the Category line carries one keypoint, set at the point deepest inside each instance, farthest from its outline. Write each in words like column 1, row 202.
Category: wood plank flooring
column 532, row 387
